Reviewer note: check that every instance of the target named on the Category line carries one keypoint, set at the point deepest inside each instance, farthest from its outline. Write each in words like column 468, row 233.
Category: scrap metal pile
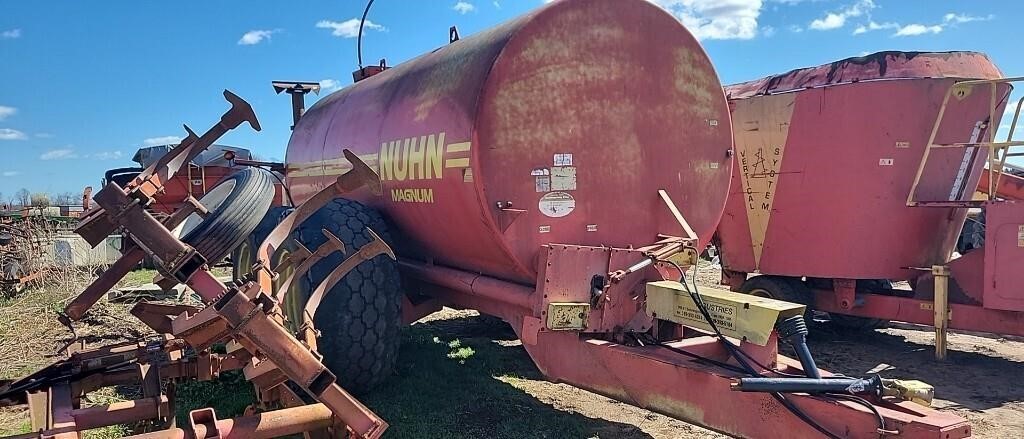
column 243, row 316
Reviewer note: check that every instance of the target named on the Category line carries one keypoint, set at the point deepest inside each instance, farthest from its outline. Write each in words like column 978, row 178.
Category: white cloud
column 348, row 28
column 6, row 112
column 795, row 29
column 11, row 173
column 256, row 36
column 917, row 29
column 107, row 155
column 767, row 31
column 10, row 34
column 716, row 19
column 496, row 4
column 871, row 26
column 59, row 154
column 964, row 18
column 11, row 134
column 836, row 20
column 463, row 7
column 328, row 85
column 45, row 135
column 164, row 140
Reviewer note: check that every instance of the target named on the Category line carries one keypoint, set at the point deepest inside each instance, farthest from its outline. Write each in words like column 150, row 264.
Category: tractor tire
column 244, row 256
column 236, row 205
column 787, row 289
column 776, row 287
column 358, row 319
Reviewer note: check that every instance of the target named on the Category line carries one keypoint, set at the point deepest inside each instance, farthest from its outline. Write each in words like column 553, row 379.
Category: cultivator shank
column 245, row 315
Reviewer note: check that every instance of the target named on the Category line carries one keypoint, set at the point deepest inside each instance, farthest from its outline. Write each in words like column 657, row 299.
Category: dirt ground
column 465, row 375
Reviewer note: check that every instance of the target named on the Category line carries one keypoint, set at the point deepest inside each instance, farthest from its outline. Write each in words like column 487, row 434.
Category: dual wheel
column 359, row 318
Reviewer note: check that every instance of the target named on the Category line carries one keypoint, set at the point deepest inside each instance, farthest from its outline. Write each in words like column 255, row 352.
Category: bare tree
column 40, row 199
column 66, row 199
column 23, row 197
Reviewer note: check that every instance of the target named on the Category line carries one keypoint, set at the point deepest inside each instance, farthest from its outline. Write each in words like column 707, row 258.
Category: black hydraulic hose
column 733, row 350
column 794, row 330
column 359, row 37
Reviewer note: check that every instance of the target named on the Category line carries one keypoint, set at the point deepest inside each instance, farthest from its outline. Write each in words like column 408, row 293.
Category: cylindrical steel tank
column 826, row 157
column 557, row 127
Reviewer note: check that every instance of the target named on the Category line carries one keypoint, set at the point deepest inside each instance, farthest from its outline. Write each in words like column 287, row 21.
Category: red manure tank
column 559, row 126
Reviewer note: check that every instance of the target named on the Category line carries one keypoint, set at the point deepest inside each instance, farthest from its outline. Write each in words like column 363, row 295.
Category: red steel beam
column 902, row 309
column 660, row 380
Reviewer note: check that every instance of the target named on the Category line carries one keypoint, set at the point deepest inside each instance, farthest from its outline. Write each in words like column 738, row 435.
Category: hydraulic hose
column 794, row 331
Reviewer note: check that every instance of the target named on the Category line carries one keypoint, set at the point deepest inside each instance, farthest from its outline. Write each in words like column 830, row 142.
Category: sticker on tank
column 556, row 204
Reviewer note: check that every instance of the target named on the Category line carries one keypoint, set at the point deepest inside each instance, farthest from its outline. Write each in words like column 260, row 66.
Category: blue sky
column 83, row 84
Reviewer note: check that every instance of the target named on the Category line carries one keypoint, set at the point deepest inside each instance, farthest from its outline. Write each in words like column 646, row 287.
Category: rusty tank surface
column 560, row 126
column 826, row 157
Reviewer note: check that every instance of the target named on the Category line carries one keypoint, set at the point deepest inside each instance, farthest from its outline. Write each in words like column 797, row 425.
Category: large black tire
column 236, row 205
column 360, row 317
column 244, row 256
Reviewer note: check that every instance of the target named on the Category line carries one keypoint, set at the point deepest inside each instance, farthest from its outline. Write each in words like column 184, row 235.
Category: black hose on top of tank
column 359, row 37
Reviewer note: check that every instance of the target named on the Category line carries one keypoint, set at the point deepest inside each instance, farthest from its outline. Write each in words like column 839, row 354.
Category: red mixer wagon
column 859, row 173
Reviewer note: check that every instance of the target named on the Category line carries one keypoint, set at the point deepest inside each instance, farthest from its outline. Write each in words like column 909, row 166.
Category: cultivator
column 243, row 316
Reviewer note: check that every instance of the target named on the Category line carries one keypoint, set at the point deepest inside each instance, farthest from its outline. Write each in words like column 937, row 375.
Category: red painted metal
column 619, row 85
column 902, row 309
column 683, row 388
column 1004, row 255
column 839, row 198
column 1009, row 186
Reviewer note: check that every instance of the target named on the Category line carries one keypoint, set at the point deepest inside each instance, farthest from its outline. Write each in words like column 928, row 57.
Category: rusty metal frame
column 244, row 313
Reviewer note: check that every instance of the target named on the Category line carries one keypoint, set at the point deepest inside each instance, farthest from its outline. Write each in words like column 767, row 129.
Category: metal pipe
column 470, row 283
column 277, row 423
column 119, row 413
column 808, row 385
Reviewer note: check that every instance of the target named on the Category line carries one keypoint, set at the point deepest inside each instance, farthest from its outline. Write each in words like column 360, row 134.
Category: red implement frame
column 604, row 356
column 243, row 313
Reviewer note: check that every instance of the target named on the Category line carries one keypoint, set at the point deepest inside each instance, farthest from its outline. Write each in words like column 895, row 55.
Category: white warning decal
column 557, row 204
column 563, row 178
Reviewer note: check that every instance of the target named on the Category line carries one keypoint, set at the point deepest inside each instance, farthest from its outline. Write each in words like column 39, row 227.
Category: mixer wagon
column 858, row 174
column 558, row 171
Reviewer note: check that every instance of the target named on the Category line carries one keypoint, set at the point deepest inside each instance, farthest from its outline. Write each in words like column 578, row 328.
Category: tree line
column 24, row 198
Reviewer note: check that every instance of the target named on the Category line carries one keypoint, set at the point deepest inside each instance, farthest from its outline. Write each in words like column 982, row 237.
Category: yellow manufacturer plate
column 737, row 315
column 568, row 316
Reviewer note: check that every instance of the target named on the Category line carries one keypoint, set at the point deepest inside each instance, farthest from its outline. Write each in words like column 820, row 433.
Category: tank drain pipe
column 794, row 330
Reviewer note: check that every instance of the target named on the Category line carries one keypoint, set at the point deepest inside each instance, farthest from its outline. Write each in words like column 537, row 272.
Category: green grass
column 452, row 386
